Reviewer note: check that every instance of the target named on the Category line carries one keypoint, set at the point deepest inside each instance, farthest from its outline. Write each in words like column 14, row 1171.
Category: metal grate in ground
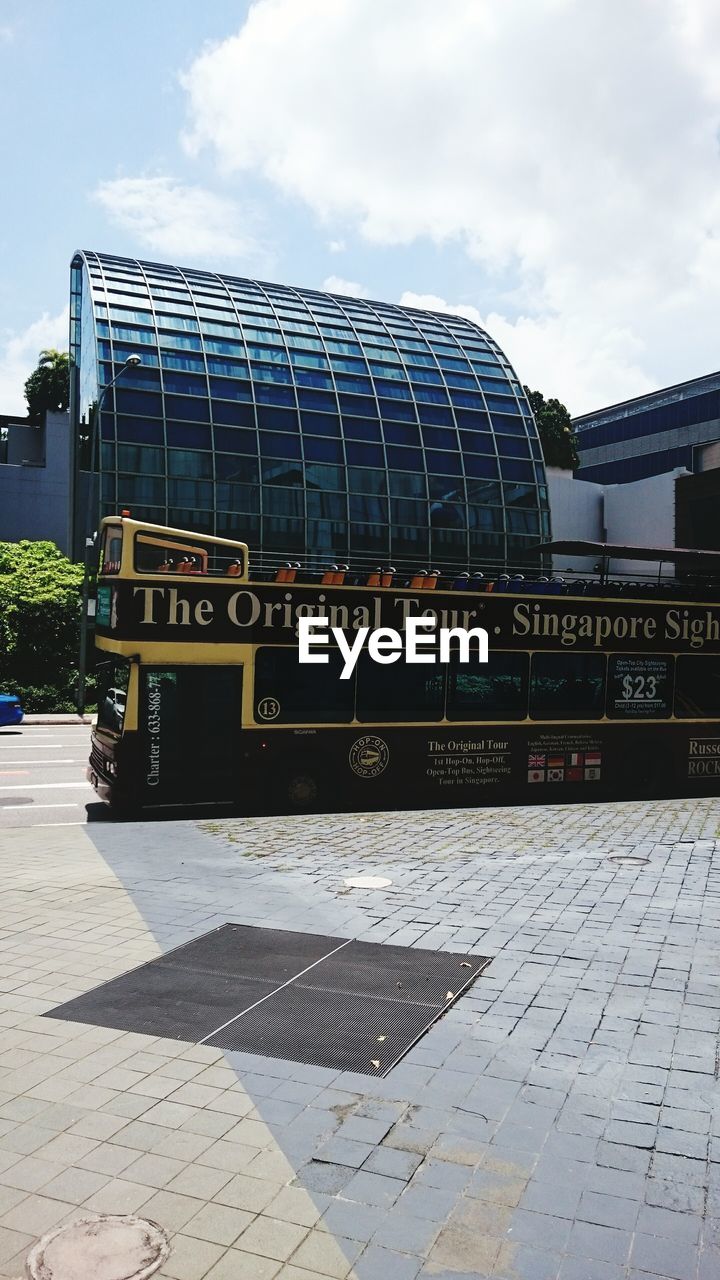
column 331, row 1002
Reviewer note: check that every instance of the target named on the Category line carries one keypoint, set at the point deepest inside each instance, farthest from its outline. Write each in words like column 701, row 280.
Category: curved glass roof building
column 309, row 425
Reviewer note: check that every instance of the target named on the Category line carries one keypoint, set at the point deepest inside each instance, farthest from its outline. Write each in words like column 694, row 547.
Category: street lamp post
column 92, row 514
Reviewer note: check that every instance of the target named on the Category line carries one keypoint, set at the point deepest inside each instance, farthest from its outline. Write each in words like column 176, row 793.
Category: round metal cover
column 367, row 882
column 102, row 1248
column 628, row 860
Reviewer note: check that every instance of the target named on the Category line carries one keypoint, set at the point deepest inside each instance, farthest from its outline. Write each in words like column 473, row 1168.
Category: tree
column 48, row 387
column 39, row 624
column 557, row 434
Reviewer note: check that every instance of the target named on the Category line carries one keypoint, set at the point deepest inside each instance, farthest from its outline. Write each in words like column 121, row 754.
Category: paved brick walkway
column 559, row 1123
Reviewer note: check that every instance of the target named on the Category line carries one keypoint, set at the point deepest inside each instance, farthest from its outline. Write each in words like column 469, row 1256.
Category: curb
column 39, row 718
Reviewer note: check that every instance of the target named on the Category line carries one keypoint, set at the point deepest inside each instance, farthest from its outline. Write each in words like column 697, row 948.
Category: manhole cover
column 104, row 1248
column 328, row 1002
column 628, row 860
column 367, row 882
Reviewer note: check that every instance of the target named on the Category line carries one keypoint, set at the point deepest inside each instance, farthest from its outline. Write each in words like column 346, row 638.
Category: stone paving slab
column 560, row 1121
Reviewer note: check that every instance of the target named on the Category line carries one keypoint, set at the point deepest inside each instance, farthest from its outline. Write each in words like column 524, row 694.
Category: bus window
column 639, row 686
column 287, row 693
column 493, row 690
column 567, row 686
column 399, row 691
column 111, row 551
column 697, row 687
column 112, row 694
column 154, row 554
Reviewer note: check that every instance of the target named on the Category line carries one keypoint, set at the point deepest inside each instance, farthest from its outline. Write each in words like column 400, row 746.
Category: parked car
column 10, row 710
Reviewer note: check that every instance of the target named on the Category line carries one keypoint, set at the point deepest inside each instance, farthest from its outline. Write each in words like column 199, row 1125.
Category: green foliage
column 48, row 387
column 557, row 434
column 39, row 624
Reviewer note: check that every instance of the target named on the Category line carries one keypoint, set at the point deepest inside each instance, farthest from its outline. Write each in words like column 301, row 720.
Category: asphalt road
column 42, row 776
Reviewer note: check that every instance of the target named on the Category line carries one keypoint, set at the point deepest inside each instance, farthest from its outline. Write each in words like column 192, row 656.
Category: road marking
column 44, row 786
column 30, row 808
column 61, row 761
column 19, row 746
column 14, row 773
column 58, row 824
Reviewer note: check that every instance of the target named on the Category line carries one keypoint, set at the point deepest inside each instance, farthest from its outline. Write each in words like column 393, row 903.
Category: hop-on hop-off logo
column 369, row 756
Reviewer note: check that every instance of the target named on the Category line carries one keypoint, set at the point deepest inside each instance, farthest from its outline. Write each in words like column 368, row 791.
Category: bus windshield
column 112, row 694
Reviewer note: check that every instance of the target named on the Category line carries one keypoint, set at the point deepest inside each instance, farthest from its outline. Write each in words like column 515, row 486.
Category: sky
column 548, row 168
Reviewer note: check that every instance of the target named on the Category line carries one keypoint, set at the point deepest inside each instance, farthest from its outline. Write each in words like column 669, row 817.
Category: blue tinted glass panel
column 271, row 393
column 180, row 341
column 186, row 362
column 325, row 477
column 439, row 438
column 512, row 470
column 228, row 368
column 323, row 450
column 196, row 493
column 401, row 433
column 363, row 386
column 464, row 400
column 435, row 414
column 477, row 442
column 404, row 459
column 513, row 446
column 277, row 419
column 185, row 384
column 395, row 390
column 286, row 446
column 477, row 465
column 509, row 425
column 240, row 497
column 189, row 463
column 397, row 409
column 238, row 440
column 323, row 400
column 365, row 480
column 444, row 463
column 364, row 455
column 236, row 415
column 230, row 467
column 230, row 389
column 407, row 485
column 305, row 378
column 188, row 435
column 368, row 508
column 357, row 429
column 361, row 406
column 134, row 430
column 193, row 407
column 321, row 424
column 142, row 402
column 326, row 506
column 283, row 502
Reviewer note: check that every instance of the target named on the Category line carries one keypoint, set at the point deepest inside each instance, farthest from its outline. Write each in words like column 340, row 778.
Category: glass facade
column 309, row 425
column 649, row 435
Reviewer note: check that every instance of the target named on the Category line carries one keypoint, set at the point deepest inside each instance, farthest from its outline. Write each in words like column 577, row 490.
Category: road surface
column 42, row 776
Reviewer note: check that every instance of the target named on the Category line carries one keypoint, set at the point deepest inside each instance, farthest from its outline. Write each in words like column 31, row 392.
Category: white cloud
column 337, row 246
column 180, row 221
column 7, row 33
column 19, row 355
column 570, row 146
column 350, row 288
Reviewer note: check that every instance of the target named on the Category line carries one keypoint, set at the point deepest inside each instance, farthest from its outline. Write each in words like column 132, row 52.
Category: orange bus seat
column 374, row 579
column 418, row 580
column 431, row 580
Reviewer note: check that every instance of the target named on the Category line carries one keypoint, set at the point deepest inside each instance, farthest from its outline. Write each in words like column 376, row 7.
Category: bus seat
column 462, row 582
column 387, row 575
column 503, row 583
column 517, row 583
column 418, row 580
column 167, row 566
column 235, row 569
column 286, row 573
column 374, row 579
column 339, row 576
column 555, row 586
column 184, row 565
column 431, row 580
column 329, row 576
column 541, row 587
column 478, row 583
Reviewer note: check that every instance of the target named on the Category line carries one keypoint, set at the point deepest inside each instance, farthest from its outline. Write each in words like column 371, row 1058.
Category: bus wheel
column 302, row 791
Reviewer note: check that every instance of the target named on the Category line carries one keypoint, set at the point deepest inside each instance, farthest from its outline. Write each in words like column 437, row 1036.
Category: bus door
column 190, row 725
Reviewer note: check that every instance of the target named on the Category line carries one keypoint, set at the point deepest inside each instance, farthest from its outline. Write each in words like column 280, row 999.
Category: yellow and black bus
column 593, row 690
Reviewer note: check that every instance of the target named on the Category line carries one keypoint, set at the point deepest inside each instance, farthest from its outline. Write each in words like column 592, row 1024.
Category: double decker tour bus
column 594, row 689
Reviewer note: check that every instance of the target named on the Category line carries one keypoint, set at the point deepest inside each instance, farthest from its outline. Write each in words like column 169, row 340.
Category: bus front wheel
column 302, row 791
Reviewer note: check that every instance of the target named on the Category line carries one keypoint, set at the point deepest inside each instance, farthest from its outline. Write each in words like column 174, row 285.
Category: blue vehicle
column 10, row 710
